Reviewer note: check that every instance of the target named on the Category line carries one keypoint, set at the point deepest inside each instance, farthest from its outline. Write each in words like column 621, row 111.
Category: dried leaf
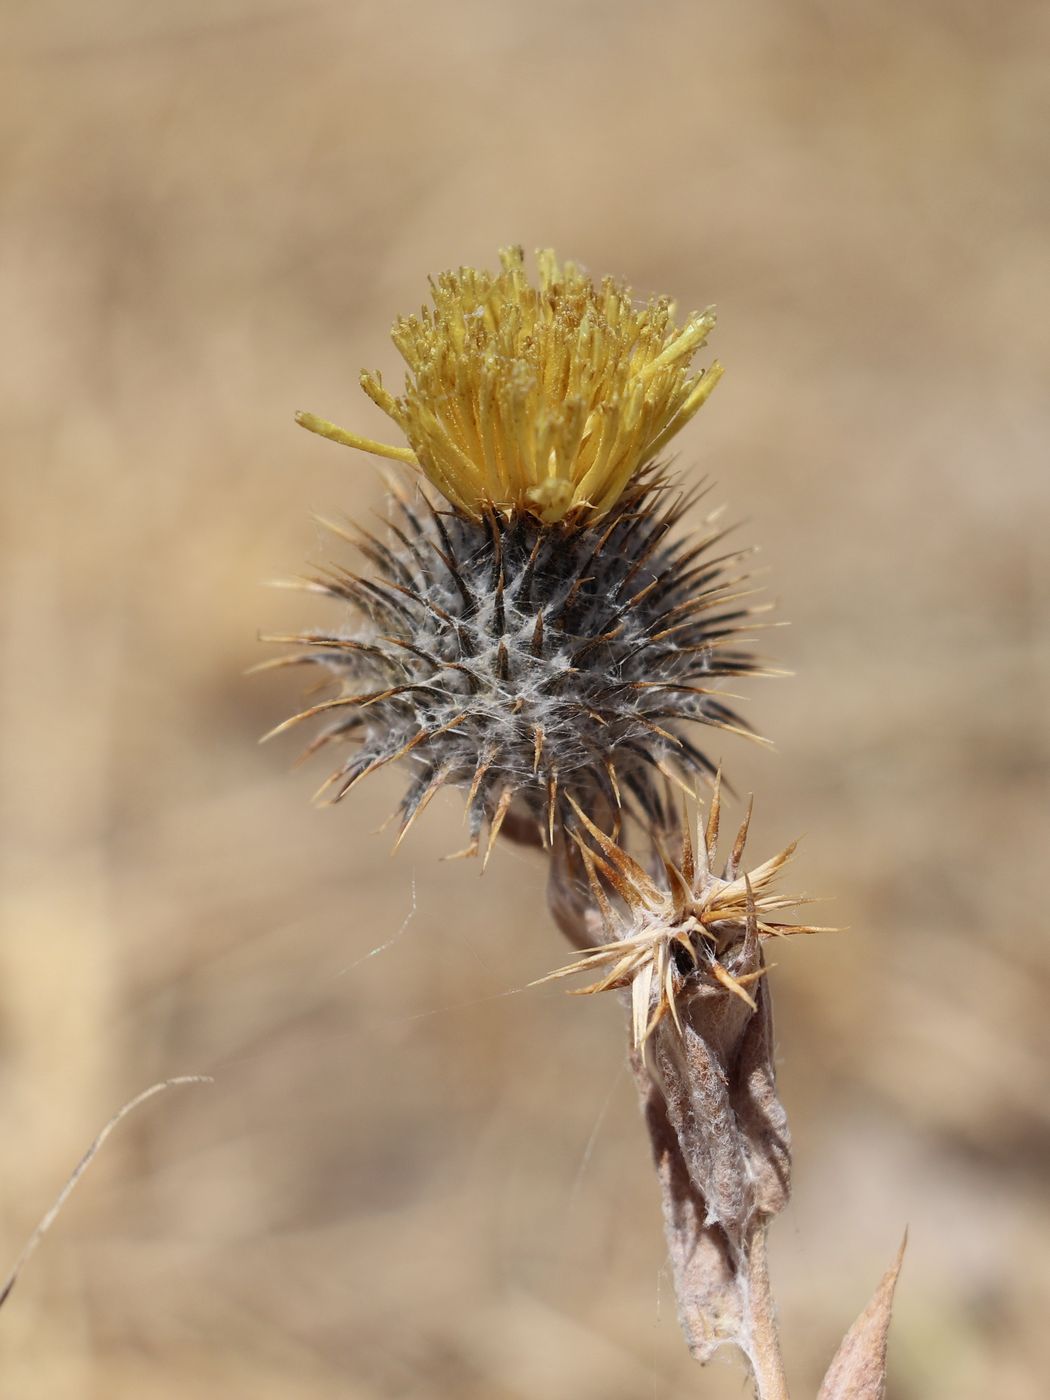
column 858, row 1371
column 702, row 1262
column 722, row 1153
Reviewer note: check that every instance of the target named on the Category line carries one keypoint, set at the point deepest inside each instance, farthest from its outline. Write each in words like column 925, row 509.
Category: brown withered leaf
column 720, row 1144
column 858, row 1371
column 716, row 1079
column 701, row 1258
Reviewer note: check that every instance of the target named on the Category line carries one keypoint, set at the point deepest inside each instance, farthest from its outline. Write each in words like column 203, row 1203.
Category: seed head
column 545, row 401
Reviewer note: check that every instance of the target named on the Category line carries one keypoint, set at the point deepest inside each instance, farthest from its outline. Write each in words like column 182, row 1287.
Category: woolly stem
column 763, row 1341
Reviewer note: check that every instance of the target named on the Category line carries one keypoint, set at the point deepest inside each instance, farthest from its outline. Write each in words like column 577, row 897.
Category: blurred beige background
column 412, row 1177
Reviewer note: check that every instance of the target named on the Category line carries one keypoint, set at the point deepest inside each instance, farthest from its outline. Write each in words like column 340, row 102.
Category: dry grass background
column 412, row 1178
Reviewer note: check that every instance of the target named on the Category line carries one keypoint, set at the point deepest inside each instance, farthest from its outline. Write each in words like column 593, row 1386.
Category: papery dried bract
column 684, row 930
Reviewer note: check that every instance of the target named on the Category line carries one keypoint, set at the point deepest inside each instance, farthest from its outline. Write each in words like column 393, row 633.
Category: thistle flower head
column 545, row 642
column 543, row 400
column 687, row 928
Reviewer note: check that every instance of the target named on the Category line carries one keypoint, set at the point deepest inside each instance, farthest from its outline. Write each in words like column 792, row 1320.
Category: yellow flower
column 542, row 400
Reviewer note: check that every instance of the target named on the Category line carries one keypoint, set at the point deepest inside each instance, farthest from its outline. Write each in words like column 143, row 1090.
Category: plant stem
column 763, row 1350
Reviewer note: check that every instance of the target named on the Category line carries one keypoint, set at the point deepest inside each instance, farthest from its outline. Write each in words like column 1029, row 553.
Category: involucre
column 530, row 664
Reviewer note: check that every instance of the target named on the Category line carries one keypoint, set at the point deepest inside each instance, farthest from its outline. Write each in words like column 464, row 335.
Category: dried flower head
column 669, row 936
column 545, row 400
column 687, row 944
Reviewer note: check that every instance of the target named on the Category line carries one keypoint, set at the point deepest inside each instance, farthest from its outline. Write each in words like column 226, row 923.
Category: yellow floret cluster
column 546, row 400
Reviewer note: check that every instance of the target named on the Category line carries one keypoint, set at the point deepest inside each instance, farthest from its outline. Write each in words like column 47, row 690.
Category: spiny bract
column 685, row 929
column 539, row 667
